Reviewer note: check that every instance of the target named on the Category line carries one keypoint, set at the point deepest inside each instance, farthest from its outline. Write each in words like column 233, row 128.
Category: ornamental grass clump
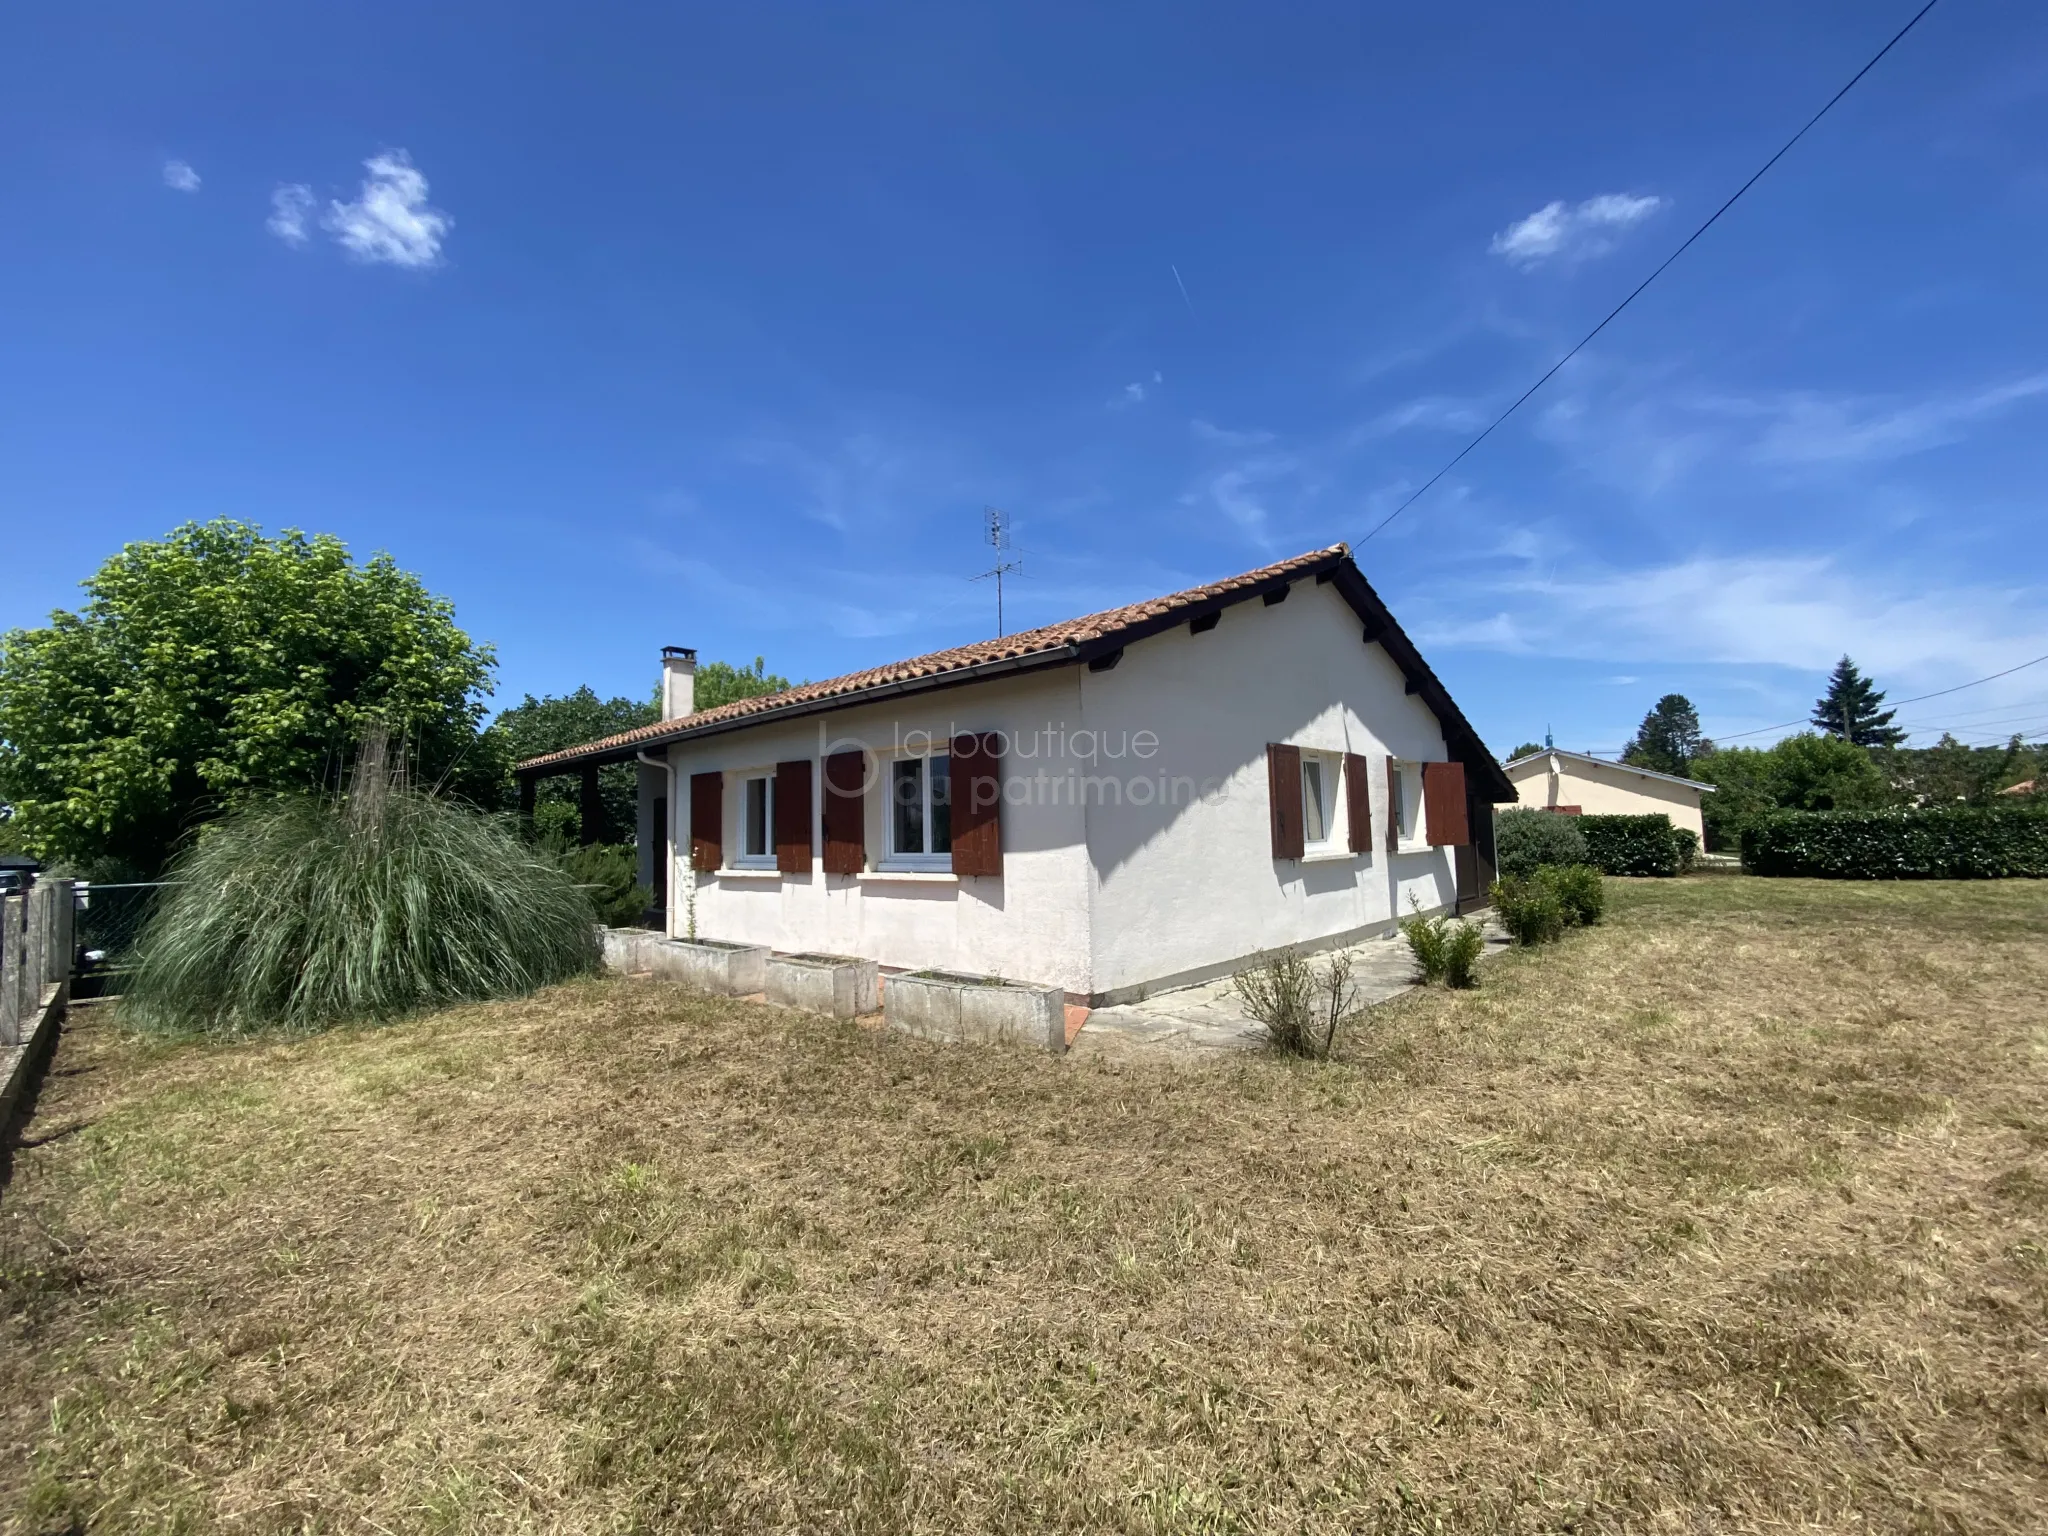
column 311, row 910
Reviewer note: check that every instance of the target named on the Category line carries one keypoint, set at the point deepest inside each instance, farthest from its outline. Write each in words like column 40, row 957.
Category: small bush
column 1301, row 1009
column 1633, row 845
column 1529, row 909
column 1525, row 839
column 1949, row 843
column 1445, row 949
column 1461, row 956
column 609, row 874
column 1579, row 890
column 310, row 910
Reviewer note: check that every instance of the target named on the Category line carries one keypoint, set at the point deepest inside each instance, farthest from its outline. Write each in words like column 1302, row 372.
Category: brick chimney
column 678, row 682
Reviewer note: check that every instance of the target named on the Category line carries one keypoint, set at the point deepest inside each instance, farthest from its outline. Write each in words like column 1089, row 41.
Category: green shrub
column 1525, row 839
column 1688, row 848
column 1529, row 909
column 1632, row 845
column 309, row 910
column 609, row 874
column 1579, row 891
column 1461, row 955
column 1445, row 949
column 1949, row 843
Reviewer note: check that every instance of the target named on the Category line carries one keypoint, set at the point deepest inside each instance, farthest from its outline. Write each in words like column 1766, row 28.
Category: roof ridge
column 1065, row 633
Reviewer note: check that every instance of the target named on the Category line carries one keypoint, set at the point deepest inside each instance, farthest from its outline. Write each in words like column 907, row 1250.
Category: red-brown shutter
column 793, row 817
column 707, row 820
column 845, row 813
column 1393, row 806
column 1283, row 791
column 976, row 779
column 1357, row 802
column 1443, row 804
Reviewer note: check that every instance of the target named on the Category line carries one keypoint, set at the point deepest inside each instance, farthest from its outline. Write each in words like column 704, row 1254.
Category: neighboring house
column 2024, row 787
column 1133, row 800
column 1575, row 784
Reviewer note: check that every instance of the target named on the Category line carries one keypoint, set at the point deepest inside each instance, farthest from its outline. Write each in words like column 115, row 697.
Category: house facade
column 1571, row 782
column 1131, row 801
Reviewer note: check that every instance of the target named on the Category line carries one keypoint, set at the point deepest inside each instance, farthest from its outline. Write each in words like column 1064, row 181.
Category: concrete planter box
column 836, row 984
column 626, row 950
column 712, row 965
column 981, row 1010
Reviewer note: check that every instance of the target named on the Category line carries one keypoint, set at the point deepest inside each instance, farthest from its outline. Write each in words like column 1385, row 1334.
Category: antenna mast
column 996, row 529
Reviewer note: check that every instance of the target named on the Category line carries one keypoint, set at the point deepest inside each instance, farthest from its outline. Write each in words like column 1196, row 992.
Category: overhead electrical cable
column 1522, row 399
column 1920, row 698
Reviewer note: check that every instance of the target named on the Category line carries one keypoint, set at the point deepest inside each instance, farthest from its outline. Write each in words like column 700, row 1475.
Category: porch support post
column 527, row 784
column 592, row 807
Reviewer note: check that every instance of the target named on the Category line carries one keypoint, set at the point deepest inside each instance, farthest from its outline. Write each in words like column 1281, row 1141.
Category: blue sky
column 719, row 326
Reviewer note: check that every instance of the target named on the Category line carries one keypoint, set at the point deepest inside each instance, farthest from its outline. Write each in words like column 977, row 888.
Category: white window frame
column 1330, row 771
column 919, row 860
column 741, row 859
column 1411, row 827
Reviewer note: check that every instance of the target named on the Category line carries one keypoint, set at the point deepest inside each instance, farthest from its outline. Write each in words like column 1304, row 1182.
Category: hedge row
column 1638, row 845
column 1951, row 843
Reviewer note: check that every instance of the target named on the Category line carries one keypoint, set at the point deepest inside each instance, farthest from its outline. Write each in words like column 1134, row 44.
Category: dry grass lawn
column 1729, row 1215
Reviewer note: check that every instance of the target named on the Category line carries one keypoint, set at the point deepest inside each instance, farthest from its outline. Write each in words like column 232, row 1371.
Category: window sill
column 1329, row 856
column 750, row 872
column 911, row 876
column 1416, row 848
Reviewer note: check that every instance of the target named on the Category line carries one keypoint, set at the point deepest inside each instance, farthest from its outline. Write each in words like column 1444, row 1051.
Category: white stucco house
column 1575, row 784
column 1114, row 805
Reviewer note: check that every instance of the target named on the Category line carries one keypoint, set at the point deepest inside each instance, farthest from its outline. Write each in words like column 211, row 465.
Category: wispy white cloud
column 291, row 211
column 1434, row 412
column 1813, row 429
column 390, row 221
column 180, row 177
column 1799, row 611
column 1556, row 232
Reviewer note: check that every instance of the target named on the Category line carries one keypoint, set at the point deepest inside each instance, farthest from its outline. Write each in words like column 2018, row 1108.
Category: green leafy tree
column 1669, row 738
column 215, row 665
column 1951, row 773
column 534, row 727
column 720, row 682
column 1801, row 773
column 1849, row 709
column 1526, row 749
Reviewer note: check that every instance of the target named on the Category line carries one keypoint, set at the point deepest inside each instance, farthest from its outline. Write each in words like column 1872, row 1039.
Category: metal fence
column 37, row 942
column 110, row 919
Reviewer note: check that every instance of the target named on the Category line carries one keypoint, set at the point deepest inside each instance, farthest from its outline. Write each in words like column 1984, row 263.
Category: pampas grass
column 311, row 910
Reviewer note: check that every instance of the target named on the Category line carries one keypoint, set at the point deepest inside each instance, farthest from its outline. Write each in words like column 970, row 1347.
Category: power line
column 1624, row 304
column 1939, row 693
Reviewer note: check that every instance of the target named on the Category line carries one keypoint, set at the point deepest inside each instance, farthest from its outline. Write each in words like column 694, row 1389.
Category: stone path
column 1208, row 1016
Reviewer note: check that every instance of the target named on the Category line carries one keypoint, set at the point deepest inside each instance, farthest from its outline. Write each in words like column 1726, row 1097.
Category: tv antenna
column 996, row 529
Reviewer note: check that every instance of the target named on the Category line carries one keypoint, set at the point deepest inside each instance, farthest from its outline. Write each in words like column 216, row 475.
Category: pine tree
column 1849, row 709
column 1669, row 738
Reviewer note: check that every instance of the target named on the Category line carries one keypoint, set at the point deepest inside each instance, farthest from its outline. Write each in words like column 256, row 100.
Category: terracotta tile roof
column 1047, row 641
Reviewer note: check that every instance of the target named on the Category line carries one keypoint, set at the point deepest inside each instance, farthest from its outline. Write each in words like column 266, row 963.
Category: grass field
column 1729, row 1215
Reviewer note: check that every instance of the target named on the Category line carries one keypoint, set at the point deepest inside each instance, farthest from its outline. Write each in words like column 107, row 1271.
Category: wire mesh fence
column 110, row 920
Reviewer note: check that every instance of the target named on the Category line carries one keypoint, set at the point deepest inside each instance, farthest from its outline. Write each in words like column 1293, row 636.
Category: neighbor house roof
column 1091, row 638
column 1601, row 762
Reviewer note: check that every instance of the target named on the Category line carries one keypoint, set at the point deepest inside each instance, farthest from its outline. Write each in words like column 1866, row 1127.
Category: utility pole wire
column 1624, row 304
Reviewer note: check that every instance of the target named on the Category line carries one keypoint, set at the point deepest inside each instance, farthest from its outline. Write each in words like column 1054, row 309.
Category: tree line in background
column 1854, row 759
column 216, row 666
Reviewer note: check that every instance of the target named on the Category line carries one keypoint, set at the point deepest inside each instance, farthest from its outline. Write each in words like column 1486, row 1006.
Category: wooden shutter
column 707, row 820
column 793, row 817
column 1393, row 806
column 1283, row 790
column 1443, row 804
column 846, row 824
column 1357, row 802
column 976, row 779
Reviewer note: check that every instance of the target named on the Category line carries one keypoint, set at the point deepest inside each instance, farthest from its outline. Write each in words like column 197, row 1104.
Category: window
column 1315, row 801
column 1407, row 807
column 921, row 811
column 757, row 822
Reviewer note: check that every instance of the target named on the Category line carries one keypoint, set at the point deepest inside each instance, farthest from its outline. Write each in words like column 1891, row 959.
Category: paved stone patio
column 1208, row 1016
